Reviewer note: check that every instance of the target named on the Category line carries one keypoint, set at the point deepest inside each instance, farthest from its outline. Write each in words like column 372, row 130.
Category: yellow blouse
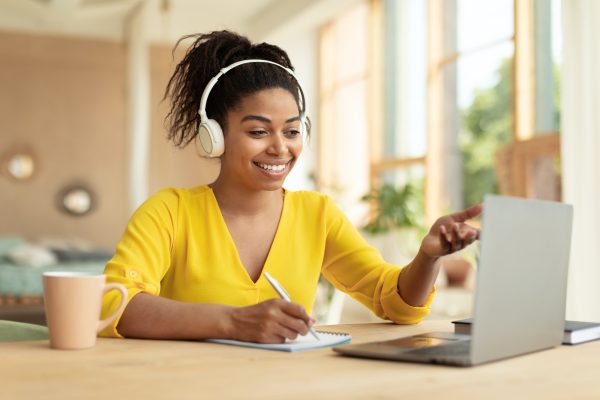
column 177, row 245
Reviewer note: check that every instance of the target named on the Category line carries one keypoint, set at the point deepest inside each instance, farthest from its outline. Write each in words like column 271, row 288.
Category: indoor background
column 419, row 108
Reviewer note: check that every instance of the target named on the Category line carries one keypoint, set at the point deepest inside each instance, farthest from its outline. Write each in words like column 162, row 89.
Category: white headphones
column 211, row 142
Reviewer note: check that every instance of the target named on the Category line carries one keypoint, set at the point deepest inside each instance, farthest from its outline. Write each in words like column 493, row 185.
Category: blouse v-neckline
column 239, row 264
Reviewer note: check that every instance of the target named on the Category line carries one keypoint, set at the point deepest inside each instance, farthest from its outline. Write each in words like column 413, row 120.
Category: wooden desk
column 145, row 369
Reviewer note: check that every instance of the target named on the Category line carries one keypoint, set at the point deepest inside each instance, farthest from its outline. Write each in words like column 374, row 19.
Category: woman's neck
column 240, row 201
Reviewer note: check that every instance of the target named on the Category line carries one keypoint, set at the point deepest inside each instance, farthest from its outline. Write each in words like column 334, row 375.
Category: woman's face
column 262, row 140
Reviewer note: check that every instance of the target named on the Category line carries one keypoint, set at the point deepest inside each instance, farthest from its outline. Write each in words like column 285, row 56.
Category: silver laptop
column 520, row 295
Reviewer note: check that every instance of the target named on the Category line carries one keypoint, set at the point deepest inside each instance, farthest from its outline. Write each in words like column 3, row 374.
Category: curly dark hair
column 206, row 56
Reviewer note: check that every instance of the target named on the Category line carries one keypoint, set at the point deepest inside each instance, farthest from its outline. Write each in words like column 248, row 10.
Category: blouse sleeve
column 358, row 269
column 143, row 254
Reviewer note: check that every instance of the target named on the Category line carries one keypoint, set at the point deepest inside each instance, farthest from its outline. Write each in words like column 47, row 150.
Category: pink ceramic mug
column 73, row 301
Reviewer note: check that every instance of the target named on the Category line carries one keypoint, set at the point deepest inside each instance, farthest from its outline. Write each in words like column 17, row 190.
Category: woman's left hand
column 450, row 233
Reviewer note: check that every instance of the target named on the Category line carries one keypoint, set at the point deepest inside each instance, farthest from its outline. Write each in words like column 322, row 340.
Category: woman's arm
column 417, row 278
column 153, row 317
column 447, row 235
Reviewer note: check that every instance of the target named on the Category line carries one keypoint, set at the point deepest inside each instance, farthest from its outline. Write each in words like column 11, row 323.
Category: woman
column 193, row 260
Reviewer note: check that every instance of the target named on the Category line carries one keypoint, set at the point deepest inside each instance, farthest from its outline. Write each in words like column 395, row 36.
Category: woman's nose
column 277, row 145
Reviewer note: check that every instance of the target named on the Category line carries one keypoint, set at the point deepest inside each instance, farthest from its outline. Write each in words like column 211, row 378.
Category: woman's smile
column 273, row 170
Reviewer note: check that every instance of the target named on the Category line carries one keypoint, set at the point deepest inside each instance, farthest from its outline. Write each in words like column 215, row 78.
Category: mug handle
column 113, row 286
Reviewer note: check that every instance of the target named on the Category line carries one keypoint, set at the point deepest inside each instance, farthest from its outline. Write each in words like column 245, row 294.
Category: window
column 457, row 97
column 343, row 143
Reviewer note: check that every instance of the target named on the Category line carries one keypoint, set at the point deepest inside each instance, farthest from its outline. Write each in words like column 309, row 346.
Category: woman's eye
column 293, row 132
column 258, row 133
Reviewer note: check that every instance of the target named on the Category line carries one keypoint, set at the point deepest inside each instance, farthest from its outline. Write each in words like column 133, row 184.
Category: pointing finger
column 467, row 214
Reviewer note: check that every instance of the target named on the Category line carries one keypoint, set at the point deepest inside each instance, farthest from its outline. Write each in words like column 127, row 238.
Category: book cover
column 575, row 331
column 306, row 342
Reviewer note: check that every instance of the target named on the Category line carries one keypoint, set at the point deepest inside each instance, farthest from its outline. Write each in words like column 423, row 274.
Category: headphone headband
column 211, row 142
column 223, row 71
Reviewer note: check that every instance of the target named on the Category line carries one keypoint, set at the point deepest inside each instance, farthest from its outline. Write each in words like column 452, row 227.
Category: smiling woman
column 194, row 260
column 263, row 141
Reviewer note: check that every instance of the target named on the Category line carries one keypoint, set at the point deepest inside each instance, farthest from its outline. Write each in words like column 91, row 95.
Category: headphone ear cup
column 211, row 142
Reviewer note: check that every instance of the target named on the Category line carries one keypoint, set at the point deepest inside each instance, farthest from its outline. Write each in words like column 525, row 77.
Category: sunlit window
column 469, row 101
column 343, row 152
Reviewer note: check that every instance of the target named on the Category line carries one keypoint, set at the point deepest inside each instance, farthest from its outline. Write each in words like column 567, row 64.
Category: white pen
column 285, row 296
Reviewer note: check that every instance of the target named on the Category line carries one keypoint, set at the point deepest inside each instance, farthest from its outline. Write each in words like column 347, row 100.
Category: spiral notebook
column 306, row 342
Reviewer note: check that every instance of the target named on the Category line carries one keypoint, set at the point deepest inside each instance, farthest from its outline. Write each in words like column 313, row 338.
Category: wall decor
column 19, row 165
column 76, row 200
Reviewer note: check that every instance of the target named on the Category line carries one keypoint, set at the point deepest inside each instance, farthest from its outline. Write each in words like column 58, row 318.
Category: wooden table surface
column 147, row 369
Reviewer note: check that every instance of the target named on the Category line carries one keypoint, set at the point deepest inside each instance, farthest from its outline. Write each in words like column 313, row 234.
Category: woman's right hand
column 271, row 321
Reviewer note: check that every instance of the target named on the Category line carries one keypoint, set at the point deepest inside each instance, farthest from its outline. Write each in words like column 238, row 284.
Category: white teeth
column 274, row 168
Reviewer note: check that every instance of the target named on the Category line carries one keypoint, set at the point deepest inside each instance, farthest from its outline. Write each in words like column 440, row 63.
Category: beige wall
column 171, row 166
column 66, row 100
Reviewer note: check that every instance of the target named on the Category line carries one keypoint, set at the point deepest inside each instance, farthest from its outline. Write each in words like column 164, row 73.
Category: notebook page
column 304, row 342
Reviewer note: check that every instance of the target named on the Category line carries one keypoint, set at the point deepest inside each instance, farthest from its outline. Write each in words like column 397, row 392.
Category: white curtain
column 580, row 143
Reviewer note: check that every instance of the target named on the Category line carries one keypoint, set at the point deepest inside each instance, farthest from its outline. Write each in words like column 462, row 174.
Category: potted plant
column 395, row 225
column 396, row 228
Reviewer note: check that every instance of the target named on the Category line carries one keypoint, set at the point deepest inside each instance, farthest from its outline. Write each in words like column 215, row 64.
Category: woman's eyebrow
column 256, row 117
column 267, row 120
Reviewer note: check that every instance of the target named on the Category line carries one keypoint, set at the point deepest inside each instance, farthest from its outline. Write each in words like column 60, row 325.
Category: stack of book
column 575, row 331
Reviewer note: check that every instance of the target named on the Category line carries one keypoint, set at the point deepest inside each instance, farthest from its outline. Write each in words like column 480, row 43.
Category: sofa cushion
column 29, row 255
column 7, row 243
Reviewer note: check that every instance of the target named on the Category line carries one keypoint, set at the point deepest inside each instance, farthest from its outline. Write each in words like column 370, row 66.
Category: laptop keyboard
column 453, row 349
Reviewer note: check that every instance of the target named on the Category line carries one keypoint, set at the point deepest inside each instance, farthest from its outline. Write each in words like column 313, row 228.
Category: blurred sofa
column 22, row 265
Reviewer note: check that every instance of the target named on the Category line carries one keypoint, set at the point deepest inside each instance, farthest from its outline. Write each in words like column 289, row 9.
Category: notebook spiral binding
column 334, row 333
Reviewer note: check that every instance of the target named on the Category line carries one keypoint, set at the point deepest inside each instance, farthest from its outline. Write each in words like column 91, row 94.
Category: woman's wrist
column 424, row 261
column 416, row 280
column 225, row 322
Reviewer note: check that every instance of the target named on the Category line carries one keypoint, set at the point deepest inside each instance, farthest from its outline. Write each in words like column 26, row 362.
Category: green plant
column 486, row 127
column 394, row 208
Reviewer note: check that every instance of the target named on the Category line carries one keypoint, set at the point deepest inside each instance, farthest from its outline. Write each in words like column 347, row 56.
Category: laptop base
column 432, row 348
